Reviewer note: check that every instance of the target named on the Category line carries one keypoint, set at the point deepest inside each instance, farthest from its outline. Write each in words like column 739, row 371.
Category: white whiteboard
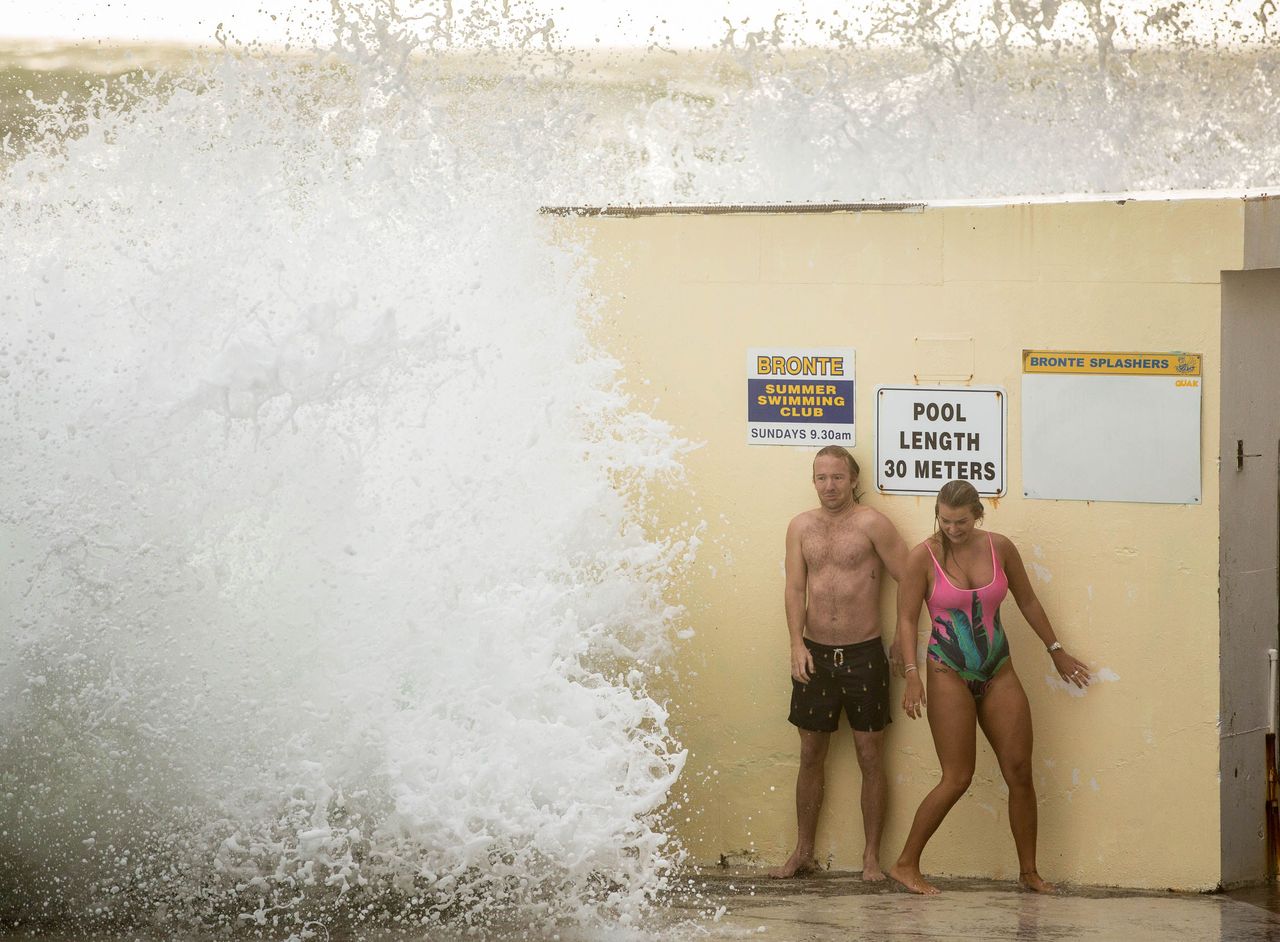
column 1125, row 438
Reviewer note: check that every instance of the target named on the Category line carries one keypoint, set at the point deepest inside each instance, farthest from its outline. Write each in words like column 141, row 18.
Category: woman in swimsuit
column 964, row 575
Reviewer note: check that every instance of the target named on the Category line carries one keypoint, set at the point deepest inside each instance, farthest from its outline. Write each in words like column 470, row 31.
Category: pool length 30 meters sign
column 929, row 435
column 800, row 396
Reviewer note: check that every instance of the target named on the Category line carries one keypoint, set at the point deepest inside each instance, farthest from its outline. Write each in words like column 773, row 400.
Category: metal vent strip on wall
column 724, row 209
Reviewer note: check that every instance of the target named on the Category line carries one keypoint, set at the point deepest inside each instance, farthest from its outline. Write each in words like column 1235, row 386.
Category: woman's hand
column 1069, row 669
column 913, row 699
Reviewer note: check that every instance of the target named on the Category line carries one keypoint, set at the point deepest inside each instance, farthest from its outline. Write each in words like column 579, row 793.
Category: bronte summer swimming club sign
column 800, row 396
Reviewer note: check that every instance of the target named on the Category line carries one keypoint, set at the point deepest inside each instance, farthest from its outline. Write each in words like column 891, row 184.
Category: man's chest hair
column 831, row 543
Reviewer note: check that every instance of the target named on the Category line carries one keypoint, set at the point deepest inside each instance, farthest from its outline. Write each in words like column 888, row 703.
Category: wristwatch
column 1056, row 646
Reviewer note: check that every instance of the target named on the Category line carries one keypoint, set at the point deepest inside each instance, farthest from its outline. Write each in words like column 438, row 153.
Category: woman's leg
column 1005, row 716
column 953, row 722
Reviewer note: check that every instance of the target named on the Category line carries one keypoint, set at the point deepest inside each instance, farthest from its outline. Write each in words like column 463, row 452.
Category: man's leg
column 870, row 748
column 810, row 781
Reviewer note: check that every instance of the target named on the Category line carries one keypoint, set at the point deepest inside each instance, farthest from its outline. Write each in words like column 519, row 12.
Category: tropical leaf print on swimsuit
column 963, row 645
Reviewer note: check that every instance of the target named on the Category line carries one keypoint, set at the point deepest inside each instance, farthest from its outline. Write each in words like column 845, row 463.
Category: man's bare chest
column 836, row 547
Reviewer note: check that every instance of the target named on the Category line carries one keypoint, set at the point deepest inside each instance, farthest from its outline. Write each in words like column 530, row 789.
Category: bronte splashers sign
column 1112, row 425
column 800, row 396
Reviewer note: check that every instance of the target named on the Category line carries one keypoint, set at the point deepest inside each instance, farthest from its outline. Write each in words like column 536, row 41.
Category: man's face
column 833, row 482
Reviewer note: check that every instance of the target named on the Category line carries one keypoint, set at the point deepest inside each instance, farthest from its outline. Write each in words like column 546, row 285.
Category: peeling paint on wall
column 1101, row 675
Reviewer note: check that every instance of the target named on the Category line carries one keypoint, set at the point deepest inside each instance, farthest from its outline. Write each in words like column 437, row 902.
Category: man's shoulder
column 868, row 519
column 804, row 519
column 865, row 514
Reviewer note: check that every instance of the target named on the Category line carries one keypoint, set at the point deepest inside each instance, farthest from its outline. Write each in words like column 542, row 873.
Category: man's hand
column 801, row 663
column 895, row 656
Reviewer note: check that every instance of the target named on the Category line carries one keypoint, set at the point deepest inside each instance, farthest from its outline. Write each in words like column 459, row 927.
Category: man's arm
column 888, row 543
column 892, row 550
column 793, row 598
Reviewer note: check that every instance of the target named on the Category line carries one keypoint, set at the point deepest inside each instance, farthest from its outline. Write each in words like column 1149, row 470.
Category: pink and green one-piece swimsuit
column 962, row 637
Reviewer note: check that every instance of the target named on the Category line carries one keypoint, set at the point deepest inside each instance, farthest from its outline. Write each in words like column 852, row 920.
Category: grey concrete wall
column 1250, row 505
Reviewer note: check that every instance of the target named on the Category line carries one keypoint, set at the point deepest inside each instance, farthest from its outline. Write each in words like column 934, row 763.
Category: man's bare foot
column 797, row 865
column 1031, row 880
column 913, row 880
column 871, row 872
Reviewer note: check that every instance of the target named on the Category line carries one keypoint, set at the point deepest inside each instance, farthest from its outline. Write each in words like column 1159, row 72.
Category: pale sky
column 581, row 23
column 578, row 22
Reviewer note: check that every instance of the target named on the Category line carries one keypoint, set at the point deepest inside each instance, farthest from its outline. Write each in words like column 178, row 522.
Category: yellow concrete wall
column 1127, row 775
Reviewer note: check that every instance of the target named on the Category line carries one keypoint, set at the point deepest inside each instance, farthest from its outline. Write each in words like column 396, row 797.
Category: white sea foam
column 330, row 589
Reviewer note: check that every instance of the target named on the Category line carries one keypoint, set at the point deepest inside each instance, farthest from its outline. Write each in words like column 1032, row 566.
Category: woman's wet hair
column 962, row 496
column 839, row 451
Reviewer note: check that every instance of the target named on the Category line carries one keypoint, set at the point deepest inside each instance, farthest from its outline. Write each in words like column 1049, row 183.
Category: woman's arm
column 911, row 589
column 1071, row 670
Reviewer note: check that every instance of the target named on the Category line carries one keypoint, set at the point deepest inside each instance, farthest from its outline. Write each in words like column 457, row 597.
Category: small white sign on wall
column 1111, row 426
column 929, row 435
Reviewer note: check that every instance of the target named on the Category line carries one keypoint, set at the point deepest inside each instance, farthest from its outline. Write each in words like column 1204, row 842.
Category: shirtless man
column 836, row 557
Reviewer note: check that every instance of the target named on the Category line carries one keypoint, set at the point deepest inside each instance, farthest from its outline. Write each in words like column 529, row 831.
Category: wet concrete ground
column 838, row 906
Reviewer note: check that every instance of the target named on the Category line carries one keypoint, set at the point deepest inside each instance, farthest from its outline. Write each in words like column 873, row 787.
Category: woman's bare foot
column 913, row 880
column 871, row 872
column 1031, row 880
column 797, row 864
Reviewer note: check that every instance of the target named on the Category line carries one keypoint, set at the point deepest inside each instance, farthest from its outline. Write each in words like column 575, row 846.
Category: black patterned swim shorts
column 853, row 678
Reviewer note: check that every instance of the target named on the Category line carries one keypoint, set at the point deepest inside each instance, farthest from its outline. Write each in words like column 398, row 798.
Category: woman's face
column 956, row 522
